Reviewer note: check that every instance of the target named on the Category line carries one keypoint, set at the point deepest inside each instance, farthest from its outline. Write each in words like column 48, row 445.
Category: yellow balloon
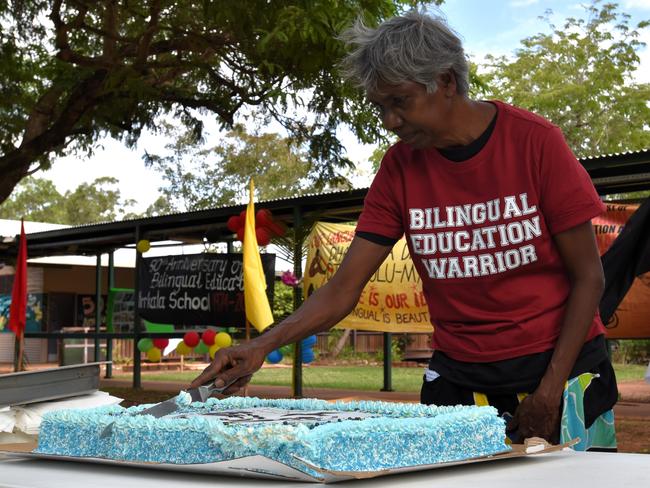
column 143, row 245
column 223, row 339
column 154, row 355
column 183, row 349
column 213, row 350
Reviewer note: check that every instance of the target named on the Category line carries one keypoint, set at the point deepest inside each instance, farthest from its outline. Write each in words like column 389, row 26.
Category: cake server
column 200, row 394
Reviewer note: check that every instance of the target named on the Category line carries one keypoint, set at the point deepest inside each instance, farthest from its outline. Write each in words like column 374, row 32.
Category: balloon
column 263, row 236
column 234, row 223
column 183, row 349
column 213, row 349
column 208, row 336
column 145, row 344
column 308, row 355
column 263, row 217
column 274, row 356
column 240, row 234
column 223, row 339
column 143, row 245
column 191, row 339
column 309, row 341
column 202, row 348
column 161, row 342
column 154, row 355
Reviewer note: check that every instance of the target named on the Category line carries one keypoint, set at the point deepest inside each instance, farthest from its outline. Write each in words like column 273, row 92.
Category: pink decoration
column 289, row 279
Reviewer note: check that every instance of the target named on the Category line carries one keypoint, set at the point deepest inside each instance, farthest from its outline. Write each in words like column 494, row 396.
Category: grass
column 366, row 378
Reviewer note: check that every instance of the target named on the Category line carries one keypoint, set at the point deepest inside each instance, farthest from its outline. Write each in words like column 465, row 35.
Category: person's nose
column 391, row 120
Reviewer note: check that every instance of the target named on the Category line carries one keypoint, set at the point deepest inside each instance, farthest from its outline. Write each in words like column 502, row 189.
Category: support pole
column 297, row 299
column 388, row 362
column 109, row 341
column 98, row 307
column 137, row 364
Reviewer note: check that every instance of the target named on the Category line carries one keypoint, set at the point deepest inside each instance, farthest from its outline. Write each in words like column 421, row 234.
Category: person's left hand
column 538, row 415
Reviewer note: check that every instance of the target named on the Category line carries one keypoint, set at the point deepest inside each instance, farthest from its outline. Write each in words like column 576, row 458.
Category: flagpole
column 19, row 348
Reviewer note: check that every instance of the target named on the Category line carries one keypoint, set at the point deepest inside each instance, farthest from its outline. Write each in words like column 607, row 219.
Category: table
column 554, row 470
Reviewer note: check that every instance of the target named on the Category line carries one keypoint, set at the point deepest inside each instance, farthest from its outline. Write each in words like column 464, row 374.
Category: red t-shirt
column 480, row 233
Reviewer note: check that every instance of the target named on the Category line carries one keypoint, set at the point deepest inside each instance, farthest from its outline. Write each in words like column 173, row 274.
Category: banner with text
column 392, row 301
column 198, row 289
column 630, row 321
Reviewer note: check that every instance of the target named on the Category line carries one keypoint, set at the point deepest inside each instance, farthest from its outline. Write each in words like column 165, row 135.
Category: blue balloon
column 309, row 341
column 274, row 356
column 308, row 355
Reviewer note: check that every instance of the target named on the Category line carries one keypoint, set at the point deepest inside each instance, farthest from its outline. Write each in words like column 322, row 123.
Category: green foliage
column 581, row 78
column 200, row 176
column 72, row 71
column 282, row 301
column 38, row 200
column 632, row 351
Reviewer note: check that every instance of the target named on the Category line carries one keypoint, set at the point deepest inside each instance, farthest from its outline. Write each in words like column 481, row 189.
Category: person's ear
column 448, row 83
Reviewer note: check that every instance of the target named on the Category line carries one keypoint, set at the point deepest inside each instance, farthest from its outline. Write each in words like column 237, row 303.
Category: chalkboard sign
column 120, row 310
column 197, row 289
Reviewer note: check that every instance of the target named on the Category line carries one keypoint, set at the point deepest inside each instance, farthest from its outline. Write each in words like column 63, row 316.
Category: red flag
column 18, row 308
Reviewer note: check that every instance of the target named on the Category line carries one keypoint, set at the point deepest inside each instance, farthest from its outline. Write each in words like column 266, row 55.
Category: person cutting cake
column 497, row 214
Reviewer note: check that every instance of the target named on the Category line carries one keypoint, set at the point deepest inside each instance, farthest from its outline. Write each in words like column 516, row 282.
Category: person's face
column 420, row 119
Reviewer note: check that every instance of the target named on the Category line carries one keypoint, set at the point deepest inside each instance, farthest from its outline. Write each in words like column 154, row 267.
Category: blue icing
column 398, row 435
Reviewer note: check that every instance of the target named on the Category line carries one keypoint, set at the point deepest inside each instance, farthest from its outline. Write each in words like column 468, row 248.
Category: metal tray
column 49, row 384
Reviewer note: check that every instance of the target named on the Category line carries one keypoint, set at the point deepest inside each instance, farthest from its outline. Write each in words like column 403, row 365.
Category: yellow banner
column 392, row 301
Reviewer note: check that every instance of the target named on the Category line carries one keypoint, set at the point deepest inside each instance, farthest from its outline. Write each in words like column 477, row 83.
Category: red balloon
column 208, row 336
column 263, row 236
column 191, row 339
column 276, row 228
column 161, row 342
column 263, row 218
column 235, row 222
column 240, row 234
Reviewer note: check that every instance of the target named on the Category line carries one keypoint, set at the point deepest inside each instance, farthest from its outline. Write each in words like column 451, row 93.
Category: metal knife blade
column 200, row 394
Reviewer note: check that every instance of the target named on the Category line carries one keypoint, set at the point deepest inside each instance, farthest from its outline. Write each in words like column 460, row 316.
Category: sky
column 485, row 26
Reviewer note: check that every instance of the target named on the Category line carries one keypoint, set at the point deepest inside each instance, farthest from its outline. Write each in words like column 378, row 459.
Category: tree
column 581, row 77
column 201, row 177
column 35, row 199
column 112, row 67
column 38, row 200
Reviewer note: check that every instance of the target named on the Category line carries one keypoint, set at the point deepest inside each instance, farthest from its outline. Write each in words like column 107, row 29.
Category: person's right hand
column 237, row 363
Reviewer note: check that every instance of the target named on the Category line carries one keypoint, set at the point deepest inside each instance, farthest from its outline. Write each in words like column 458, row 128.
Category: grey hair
column 412, row 47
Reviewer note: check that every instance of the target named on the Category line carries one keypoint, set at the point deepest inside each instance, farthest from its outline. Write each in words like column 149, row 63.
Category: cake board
column 264, row 468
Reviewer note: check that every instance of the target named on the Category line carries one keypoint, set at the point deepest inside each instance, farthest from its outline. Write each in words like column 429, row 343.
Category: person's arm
column 322, row 310
column 539, row 413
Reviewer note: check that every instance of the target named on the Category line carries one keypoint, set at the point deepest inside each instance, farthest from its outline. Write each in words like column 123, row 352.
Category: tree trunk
column 340, row 344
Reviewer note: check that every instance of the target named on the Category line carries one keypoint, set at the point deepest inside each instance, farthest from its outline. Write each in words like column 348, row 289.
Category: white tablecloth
column 556, row 470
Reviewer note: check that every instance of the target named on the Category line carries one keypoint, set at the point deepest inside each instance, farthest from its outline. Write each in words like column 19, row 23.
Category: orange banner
column 630, row 321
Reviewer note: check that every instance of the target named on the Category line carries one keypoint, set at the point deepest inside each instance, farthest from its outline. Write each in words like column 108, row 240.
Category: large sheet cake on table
column 342, row 436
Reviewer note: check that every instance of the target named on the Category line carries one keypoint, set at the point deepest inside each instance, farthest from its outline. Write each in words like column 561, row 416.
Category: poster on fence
column 392, row 301
column 630, row 321
column 197, row 289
